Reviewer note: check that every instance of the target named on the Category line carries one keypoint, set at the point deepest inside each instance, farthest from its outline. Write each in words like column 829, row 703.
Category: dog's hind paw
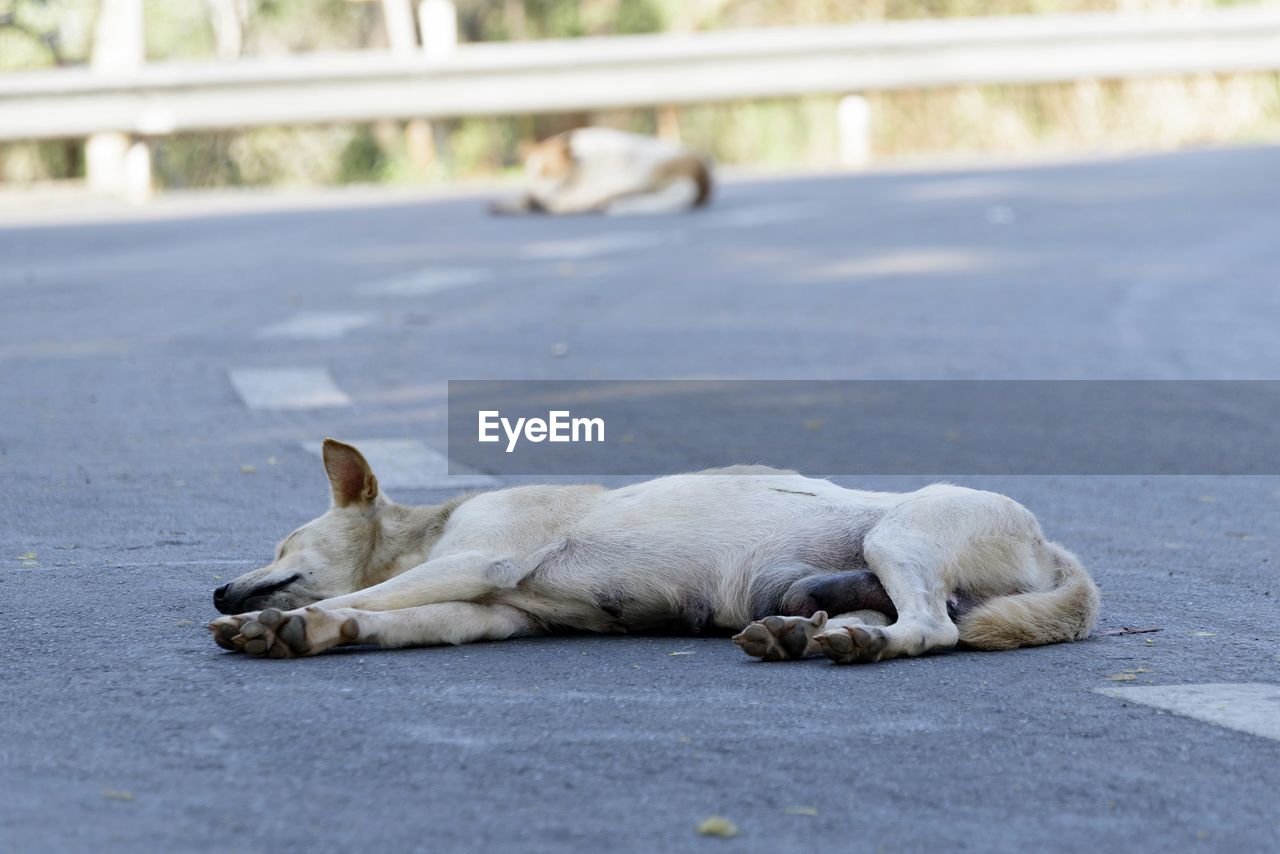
column 854, row 644
column 781, row 638
column 284, row 634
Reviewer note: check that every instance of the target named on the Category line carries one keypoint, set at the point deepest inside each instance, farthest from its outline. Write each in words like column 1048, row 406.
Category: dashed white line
column 949, row 189
column 287, row 388
column 920, row 262
column 203, row 562
column 593, row 247
column 409, row 464
column 759, row 215
column 318, row 326
column 1252, row 707
column 427, row 282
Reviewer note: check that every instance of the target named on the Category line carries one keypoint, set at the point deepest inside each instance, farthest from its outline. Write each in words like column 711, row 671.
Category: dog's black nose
column 220, row 599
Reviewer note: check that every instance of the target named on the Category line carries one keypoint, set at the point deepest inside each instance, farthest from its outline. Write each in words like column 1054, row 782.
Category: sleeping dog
column 796, row 566
column 599, row 170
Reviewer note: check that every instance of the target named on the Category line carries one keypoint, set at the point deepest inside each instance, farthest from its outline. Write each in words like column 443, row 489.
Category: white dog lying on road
column 598, row 170
column 763, row 552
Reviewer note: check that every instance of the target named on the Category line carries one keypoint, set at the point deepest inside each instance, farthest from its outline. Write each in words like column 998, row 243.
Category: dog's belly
column 629, row 584
column 690, row 552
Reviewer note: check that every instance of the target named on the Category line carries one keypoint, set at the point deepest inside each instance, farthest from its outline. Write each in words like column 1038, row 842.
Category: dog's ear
column 350, row 477
column 562, row 145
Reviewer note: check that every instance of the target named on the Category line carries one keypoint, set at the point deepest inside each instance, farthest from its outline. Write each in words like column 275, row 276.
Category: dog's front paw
column 781, row 638
column 225, row 630
column 855, row 644
column 284, row 634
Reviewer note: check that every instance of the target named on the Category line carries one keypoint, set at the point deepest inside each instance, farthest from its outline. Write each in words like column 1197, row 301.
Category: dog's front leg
column 312, row 630
column 461, row 577
column 454, row 579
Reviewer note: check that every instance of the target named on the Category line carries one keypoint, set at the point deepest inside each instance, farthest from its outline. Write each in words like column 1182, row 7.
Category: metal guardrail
column 634, row 71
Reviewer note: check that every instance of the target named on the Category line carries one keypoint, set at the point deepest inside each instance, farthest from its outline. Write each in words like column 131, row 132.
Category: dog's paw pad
column 780, row 638
column 270, row 617
column 255, row 646
column 225, row 630
column 284, row 634
column 294, row 633
column 852, row 644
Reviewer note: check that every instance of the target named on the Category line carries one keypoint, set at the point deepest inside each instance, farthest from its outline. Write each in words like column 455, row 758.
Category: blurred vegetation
column 1139, row 114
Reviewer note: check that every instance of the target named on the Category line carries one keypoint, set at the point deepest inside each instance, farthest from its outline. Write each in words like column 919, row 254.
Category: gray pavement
column 134, row 478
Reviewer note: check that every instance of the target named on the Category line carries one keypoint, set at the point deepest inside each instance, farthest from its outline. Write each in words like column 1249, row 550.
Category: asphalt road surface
column 150, row 449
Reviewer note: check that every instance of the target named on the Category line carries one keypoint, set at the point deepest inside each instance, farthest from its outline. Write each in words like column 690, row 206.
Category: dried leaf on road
column 1122, row 677
column 1131, row 630
column 718, row 825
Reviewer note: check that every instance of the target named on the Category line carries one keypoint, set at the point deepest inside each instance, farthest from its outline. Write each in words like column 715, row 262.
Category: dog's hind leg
column 911, row 569
column 312, row 630
column 838, row 593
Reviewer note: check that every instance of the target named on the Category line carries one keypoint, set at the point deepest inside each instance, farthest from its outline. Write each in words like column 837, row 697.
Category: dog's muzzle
column 221, row 601
column 228, row 602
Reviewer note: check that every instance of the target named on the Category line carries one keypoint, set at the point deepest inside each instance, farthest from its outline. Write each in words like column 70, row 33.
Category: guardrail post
column 668, row 121
column 113, row 163
column 438, row 29
column 438, row 22
column 137, row 172
column 397, row 15
column 227, row 18
column 853, row 122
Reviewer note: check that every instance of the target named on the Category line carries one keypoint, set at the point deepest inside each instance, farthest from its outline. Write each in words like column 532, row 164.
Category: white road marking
column 593, row 247
column 409, row 464
column 318, row 326
column 947, row 189
column 201, row 562
column 759, row 215
column 1252, row 707
column 427, row 282
column 918, row 262
column 287, row 388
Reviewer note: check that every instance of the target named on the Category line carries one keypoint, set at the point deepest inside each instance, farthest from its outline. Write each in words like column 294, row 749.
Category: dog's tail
column 692, row 167
column 1065, row 612
column 701, row 177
